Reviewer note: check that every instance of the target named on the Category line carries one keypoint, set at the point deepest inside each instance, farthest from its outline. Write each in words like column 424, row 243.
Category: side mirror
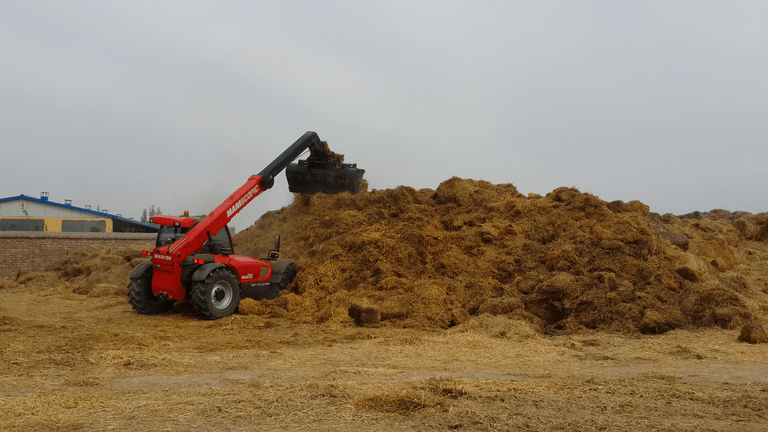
column 275, row 253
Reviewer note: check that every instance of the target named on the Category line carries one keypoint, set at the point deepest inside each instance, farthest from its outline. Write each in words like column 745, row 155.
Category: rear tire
column 217, row 296
column 143, row 300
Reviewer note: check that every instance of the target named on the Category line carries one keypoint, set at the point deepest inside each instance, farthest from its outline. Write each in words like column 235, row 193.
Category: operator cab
column 173, row 228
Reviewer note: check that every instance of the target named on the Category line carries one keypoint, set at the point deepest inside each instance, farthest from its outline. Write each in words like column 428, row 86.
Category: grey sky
column 129, row 104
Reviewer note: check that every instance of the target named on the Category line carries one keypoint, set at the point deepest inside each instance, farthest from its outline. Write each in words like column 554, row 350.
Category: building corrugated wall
column 24, row 213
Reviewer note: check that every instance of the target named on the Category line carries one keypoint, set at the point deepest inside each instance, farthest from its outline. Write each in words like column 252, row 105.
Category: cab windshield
column 168, row 234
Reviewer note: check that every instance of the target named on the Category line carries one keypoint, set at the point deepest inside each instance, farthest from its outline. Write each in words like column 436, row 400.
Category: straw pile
column 92, row 272
column 426, row 259
column 563, row 262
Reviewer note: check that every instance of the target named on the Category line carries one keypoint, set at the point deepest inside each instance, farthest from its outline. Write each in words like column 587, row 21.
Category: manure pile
column 564, row 262
column 423, row 259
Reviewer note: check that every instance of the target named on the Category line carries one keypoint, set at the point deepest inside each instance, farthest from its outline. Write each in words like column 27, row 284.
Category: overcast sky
column 125, row 105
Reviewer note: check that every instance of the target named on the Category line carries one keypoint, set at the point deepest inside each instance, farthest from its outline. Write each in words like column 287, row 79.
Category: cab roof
column 184, row 222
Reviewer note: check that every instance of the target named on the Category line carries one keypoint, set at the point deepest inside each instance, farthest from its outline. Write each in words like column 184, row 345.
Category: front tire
column 143, row 300
column 217, row 295
column 289, row 273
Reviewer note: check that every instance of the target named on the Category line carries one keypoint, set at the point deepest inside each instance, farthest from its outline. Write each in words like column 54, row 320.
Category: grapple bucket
column 313, row 176
column 323, row 171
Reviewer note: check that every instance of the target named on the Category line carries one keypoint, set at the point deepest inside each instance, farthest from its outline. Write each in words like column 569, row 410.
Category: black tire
column 217, row 295
column 143, row 300
column 289, row 273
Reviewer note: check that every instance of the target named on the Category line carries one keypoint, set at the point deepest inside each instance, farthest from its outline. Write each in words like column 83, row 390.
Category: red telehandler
column 194, row 259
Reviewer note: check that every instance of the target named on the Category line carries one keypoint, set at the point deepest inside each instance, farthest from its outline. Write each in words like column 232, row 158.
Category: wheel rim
column 221, row 295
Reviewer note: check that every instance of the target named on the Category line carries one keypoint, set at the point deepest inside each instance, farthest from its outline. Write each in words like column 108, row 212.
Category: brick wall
column 39, row 250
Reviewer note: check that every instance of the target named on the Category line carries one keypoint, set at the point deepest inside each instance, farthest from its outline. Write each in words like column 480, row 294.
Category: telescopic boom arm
column 255, row 185
column 307, row 141
column 167, row 259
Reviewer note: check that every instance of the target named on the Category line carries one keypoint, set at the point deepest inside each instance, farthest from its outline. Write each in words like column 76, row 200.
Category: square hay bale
column 365, row 314
column 753, row 334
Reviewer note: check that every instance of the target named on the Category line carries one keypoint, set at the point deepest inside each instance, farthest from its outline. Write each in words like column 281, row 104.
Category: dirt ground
column 491, row 311
column 74, row 362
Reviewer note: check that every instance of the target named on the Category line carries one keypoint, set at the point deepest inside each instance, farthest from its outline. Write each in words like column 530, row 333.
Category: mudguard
column 140, row 269
column 204, row 270
column 278, row 268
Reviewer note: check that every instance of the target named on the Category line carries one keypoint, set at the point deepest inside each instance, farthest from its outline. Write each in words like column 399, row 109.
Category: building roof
column 118, row 221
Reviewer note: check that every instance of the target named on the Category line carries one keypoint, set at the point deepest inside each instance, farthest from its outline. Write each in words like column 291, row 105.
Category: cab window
column 167, row 235
column 223, row 240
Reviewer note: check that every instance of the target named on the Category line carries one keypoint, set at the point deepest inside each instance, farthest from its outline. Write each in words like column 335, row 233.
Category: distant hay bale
column 753, row 334
column 365, row 314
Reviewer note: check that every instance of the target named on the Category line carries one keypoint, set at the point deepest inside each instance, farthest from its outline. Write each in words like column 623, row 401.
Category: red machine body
column 167, row 260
